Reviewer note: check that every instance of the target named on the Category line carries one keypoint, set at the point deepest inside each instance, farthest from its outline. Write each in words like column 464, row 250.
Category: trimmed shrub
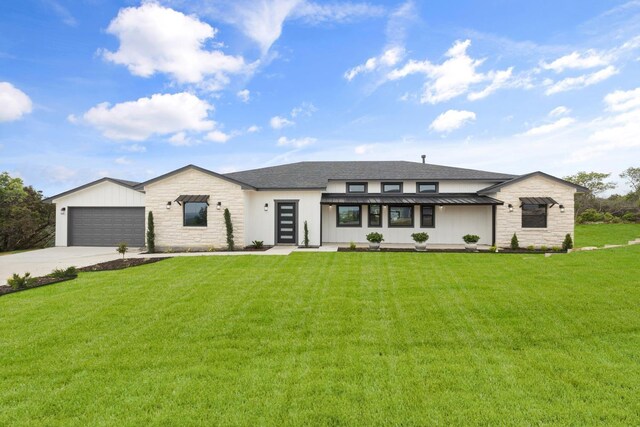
column 229, row 226
column 531, row 248
column 375, row 237
column 471, row 238
column 568, row 242
column 514, row 242
column 21, row 282
column 420, row 237
column 151, row 234
column 306, row 235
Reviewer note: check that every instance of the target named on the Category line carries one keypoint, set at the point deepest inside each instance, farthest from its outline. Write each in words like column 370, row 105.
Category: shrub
column 258, row 244
column 229, row 226
column 21, row 282
column 306, row 235
column 543, row 248
column 151, row 234
column 567, row 243
column 608, row 217
column 493, row 249
column 556, row 248
column 470, row 238
column 629, row 217
column 375, row 237
column 352, row 246
column 60, row 273
column 420, row 237
column 123, row 247
column 531, row 248
column 590, row 215
column 514, row 242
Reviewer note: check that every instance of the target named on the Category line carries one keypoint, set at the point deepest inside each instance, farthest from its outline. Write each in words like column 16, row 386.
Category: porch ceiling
column 408, row 199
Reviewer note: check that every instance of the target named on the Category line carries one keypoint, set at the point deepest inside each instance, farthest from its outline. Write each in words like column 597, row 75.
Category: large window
column 356, row 187
column 426, row 187
column 427, row 216
column 195, row 214
column 534, row 216
column 400, row 216
column 349, row 216
column 375, row 216
column 392, row 187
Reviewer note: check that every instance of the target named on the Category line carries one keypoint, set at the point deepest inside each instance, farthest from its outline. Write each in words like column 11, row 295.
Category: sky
column 131, row 90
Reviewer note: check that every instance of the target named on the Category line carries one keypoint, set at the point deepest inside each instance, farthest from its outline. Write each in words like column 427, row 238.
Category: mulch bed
column 117, row 264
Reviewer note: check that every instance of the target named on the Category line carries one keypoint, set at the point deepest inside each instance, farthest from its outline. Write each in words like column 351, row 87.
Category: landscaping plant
column 21, row 282
column 375, row 237
column 257, row 244
column 420, row 237
column 151, row 234
column 123, row 247
column 514, row 242
column 567, row 243
column 229, row 226
column 60, row 273
column 470, row 238
column 306, row 235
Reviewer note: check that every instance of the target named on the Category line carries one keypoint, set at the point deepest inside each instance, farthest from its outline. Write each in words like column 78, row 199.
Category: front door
column 286, row 223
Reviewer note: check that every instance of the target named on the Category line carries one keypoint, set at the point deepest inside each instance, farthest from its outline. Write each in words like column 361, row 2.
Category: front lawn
column 605, row 234
column 330, row 339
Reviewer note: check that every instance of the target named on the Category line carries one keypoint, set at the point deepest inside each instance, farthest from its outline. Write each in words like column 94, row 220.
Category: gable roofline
column 494, row 188
column 127, row 184
column 199, row 169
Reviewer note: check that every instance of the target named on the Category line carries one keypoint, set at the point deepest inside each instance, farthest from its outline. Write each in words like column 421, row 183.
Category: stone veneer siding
column 558, row 223
column 169, row 228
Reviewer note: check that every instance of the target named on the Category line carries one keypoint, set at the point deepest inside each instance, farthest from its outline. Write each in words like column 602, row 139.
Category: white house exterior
column 341, row 202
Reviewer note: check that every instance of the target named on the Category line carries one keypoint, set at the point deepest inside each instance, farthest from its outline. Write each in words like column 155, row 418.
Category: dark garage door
column 106, row 226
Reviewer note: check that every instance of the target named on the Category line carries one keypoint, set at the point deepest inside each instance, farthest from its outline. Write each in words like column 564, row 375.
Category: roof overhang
column 496, row 187
column 184, row 198
column 198, row 168
column 537, row 201
column 127, row 184
column 408, row 199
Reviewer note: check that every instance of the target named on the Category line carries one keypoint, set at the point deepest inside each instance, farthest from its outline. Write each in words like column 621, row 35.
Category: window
column 427, row 216
column 534, row 216
column 400, row 216
column 426, row 187
column 392, row 187
column 349, row 216
column 195, row 214
column 356, row 187
column 375, row 216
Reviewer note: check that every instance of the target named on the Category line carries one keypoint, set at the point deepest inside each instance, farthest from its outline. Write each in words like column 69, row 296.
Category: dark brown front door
column 286, row 221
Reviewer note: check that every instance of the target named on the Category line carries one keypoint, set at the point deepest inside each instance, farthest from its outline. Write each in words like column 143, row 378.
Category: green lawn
column 330, row 339
column 605, row 234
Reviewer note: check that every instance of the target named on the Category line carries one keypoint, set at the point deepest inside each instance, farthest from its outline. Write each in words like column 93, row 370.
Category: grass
column 605, row 234
column 330, row 339
column 15, row 252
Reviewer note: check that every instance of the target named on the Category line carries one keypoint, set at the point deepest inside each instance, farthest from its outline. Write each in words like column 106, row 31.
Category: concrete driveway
column 42, row 261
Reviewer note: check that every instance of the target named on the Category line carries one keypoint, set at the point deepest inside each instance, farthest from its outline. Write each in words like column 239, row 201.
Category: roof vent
column 424, row 157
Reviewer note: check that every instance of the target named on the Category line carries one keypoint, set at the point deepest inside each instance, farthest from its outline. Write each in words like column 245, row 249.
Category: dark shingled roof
column 315, row 175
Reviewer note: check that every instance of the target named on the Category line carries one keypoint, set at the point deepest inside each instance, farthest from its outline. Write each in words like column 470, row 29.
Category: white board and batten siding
column 103, row 194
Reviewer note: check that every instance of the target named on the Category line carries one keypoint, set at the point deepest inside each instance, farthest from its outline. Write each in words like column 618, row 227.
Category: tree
column 229, row 227
column 595, row 182
column 151, row 234
column 632, row 176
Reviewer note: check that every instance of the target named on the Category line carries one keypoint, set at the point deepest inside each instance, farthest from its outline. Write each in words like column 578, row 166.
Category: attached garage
column 106, row 226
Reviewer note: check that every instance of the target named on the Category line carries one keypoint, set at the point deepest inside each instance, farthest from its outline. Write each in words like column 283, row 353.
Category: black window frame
column 435, row 184
column 538, row 206
column 399, row 183
column 365, row 184
column 184, row 214
column 349, row 206
column 433, row 216
column 369, row 216
column 413, row 218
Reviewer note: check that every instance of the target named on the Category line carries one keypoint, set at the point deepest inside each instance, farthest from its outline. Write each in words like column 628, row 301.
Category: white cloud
column 559, row 111
column 123, row 161
column 14, row 103
column 337, row 12
column 181, row 139
column 305, row 109
column 363, row 149
column 453, row 77
column 218, row 136
column 576, row 60
column 135, row 148
column 158, row 115
column 279, row 122
column 623, row 100
column 551, row 127
column 572, row 83
column 451, row 120
column 253, row 129
column 296, row 142
column 244, row 95
column 158, row 39
column 389, row 58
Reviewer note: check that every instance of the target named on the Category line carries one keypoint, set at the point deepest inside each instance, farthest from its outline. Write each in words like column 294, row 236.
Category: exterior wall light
column 266, row 207
column 62, row 211
column 219, row 205
column 168, row 205
column 561, row 208
column 441, row 207
column 510, row 207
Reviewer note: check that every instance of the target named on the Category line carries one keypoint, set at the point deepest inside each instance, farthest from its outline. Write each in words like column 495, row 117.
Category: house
column 341, row 202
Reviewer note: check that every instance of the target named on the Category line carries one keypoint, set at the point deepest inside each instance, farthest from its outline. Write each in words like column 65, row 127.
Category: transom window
column 400, row 216
column 427, row 216
column 195, row 214
column 392, row 187
column 375, row 216
column 349, row 216
column 426, row 187
column 356, row 187
column 534, row 216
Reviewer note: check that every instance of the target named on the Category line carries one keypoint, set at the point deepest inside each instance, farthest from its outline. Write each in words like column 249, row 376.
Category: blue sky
column 92, row 88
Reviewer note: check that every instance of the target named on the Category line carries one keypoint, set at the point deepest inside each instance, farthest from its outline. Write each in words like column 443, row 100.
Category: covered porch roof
column 408, row 199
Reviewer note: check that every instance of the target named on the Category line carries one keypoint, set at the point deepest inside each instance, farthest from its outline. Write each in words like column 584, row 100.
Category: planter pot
column 471, row 246
column 374, row 246
column 421, row 247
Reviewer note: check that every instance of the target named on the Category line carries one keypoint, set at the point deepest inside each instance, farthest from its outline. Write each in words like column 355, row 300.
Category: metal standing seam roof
column 409, row 199
column 192, row 198
column 537, row 201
